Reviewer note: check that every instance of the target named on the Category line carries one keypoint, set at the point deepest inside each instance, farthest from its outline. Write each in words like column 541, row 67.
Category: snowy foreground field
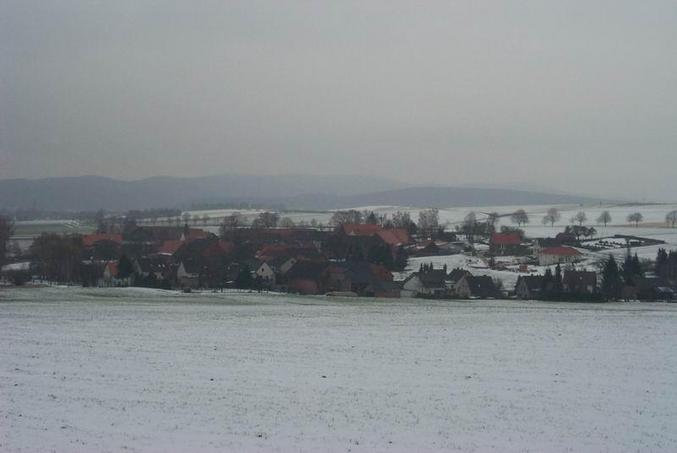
column 134, row 370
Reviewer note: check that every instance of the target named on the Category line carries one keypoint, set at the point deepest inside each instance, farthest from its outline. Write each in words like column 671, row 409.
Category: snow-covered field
column 141, row 370
column 654, row 214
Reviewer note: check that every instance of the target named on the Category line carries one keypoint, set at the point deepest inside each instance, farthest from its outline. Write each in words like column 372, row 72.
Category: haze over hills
column 291, row 191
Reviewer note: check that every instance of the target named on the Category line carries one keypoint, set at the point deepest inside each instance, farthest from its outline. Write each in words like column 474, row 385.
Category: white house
column 558, row 255
column 425, row 284
column 266, row 273
column 110, row 276
column 188, row 275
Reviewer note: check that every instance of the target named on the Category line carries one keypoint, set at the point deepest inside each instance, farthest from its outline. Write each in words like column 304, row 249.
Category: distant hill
column 94, row 192
column 291, row 191
column 440, row 197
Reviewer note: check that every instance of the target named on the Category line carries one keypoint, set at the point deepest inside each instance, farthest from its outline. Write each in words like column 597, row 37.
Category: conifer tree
column 612, row 283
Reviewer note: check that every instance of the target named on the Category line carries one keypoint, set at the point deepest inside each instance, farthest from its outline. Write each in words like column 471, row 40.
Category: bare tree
column 401, row 219
column 286, row 222
column 605, row 218
column 520, row 217
column 6, row 232
column 266, row 220
column 186, row 217
column 205, row 219
column 551, row 217
column 230, row 223
column 344, row 217
column 469, row 227
column 492, row 219
column 428, row 221
column 635, row 218
column 580, row 217
column 371, row 217
column 671, row 218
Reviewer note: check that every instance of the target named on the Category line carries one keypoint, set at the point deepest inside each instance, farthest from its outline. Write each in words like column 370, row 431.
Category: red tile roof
column 170, row 247
column 560, row 251
column 381, row 273
column 91, row 239
column 506, row 239
column 394, row 237
column 272, row 251
column 219, row 248
column 360, row 229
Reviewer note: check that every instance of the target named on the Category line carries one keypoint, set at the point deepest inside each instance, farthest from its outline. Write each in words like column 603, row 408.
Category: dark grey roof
column 532, row 282
column 481, row 285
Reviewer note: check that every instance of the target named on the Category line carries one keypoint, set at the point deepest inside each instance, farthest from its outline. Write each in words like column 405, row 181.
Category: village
column 358, row 254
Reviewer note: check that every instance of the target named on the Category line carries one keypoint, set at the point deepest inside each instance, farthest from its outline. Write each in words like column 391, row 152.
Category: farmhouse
column 425, row 283
column 111, row 276
column 579, row 282
column 558, row 255
column 476, row 287
column 529, row 287
column 505, row 244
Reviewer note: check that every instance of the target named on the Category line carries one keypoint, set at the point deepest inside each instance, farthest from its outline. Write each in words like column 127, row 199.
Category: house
column 271, row 251
column 102, row 247
column 529, row 287
column 360, row 275
column 270, row 269
column 207, row 258
column 265, row 274
column 188, row 275
column 191, row 234
column 89, row 240
column 424, row 248
column 649, row 289
column 360, row 229
column 506, row 244
column 425, row 283
column 305, row 277
column 558, row 255
column 476, row 287
column 170, row 247
column 156, row 267
column 381, row 289
column 395, row 237
column 111, row 276
column 539, row 244
column 453, row 278
column 338, row 278
column 566, row 238
column 579, row 282
column 356, row 242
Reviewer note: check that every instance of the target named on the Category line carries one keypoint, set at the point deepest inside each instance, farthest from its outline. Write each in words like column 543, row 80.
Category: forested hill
column 290, row 191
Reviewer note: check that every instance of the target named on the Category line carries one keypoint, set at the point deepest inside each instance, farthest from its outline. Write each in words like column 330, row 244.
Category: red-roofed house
column 90, row 239
column 192, row 234
column 558, row 255
column 271, row 251
column 505, row 244
column 394, row 238
column 360, row 229
column 110, row 276
column 170, row 247
column 217, row 249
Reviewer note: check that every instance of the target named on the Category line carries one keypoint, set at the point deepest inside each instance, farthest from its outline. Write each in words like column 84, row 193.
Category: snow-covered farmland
column 653, row 225
column 140, row 370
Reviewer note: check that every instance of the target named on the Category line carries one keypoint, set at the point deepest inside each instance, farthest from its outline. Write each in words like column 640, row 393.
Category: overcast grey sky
column 573, row 95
